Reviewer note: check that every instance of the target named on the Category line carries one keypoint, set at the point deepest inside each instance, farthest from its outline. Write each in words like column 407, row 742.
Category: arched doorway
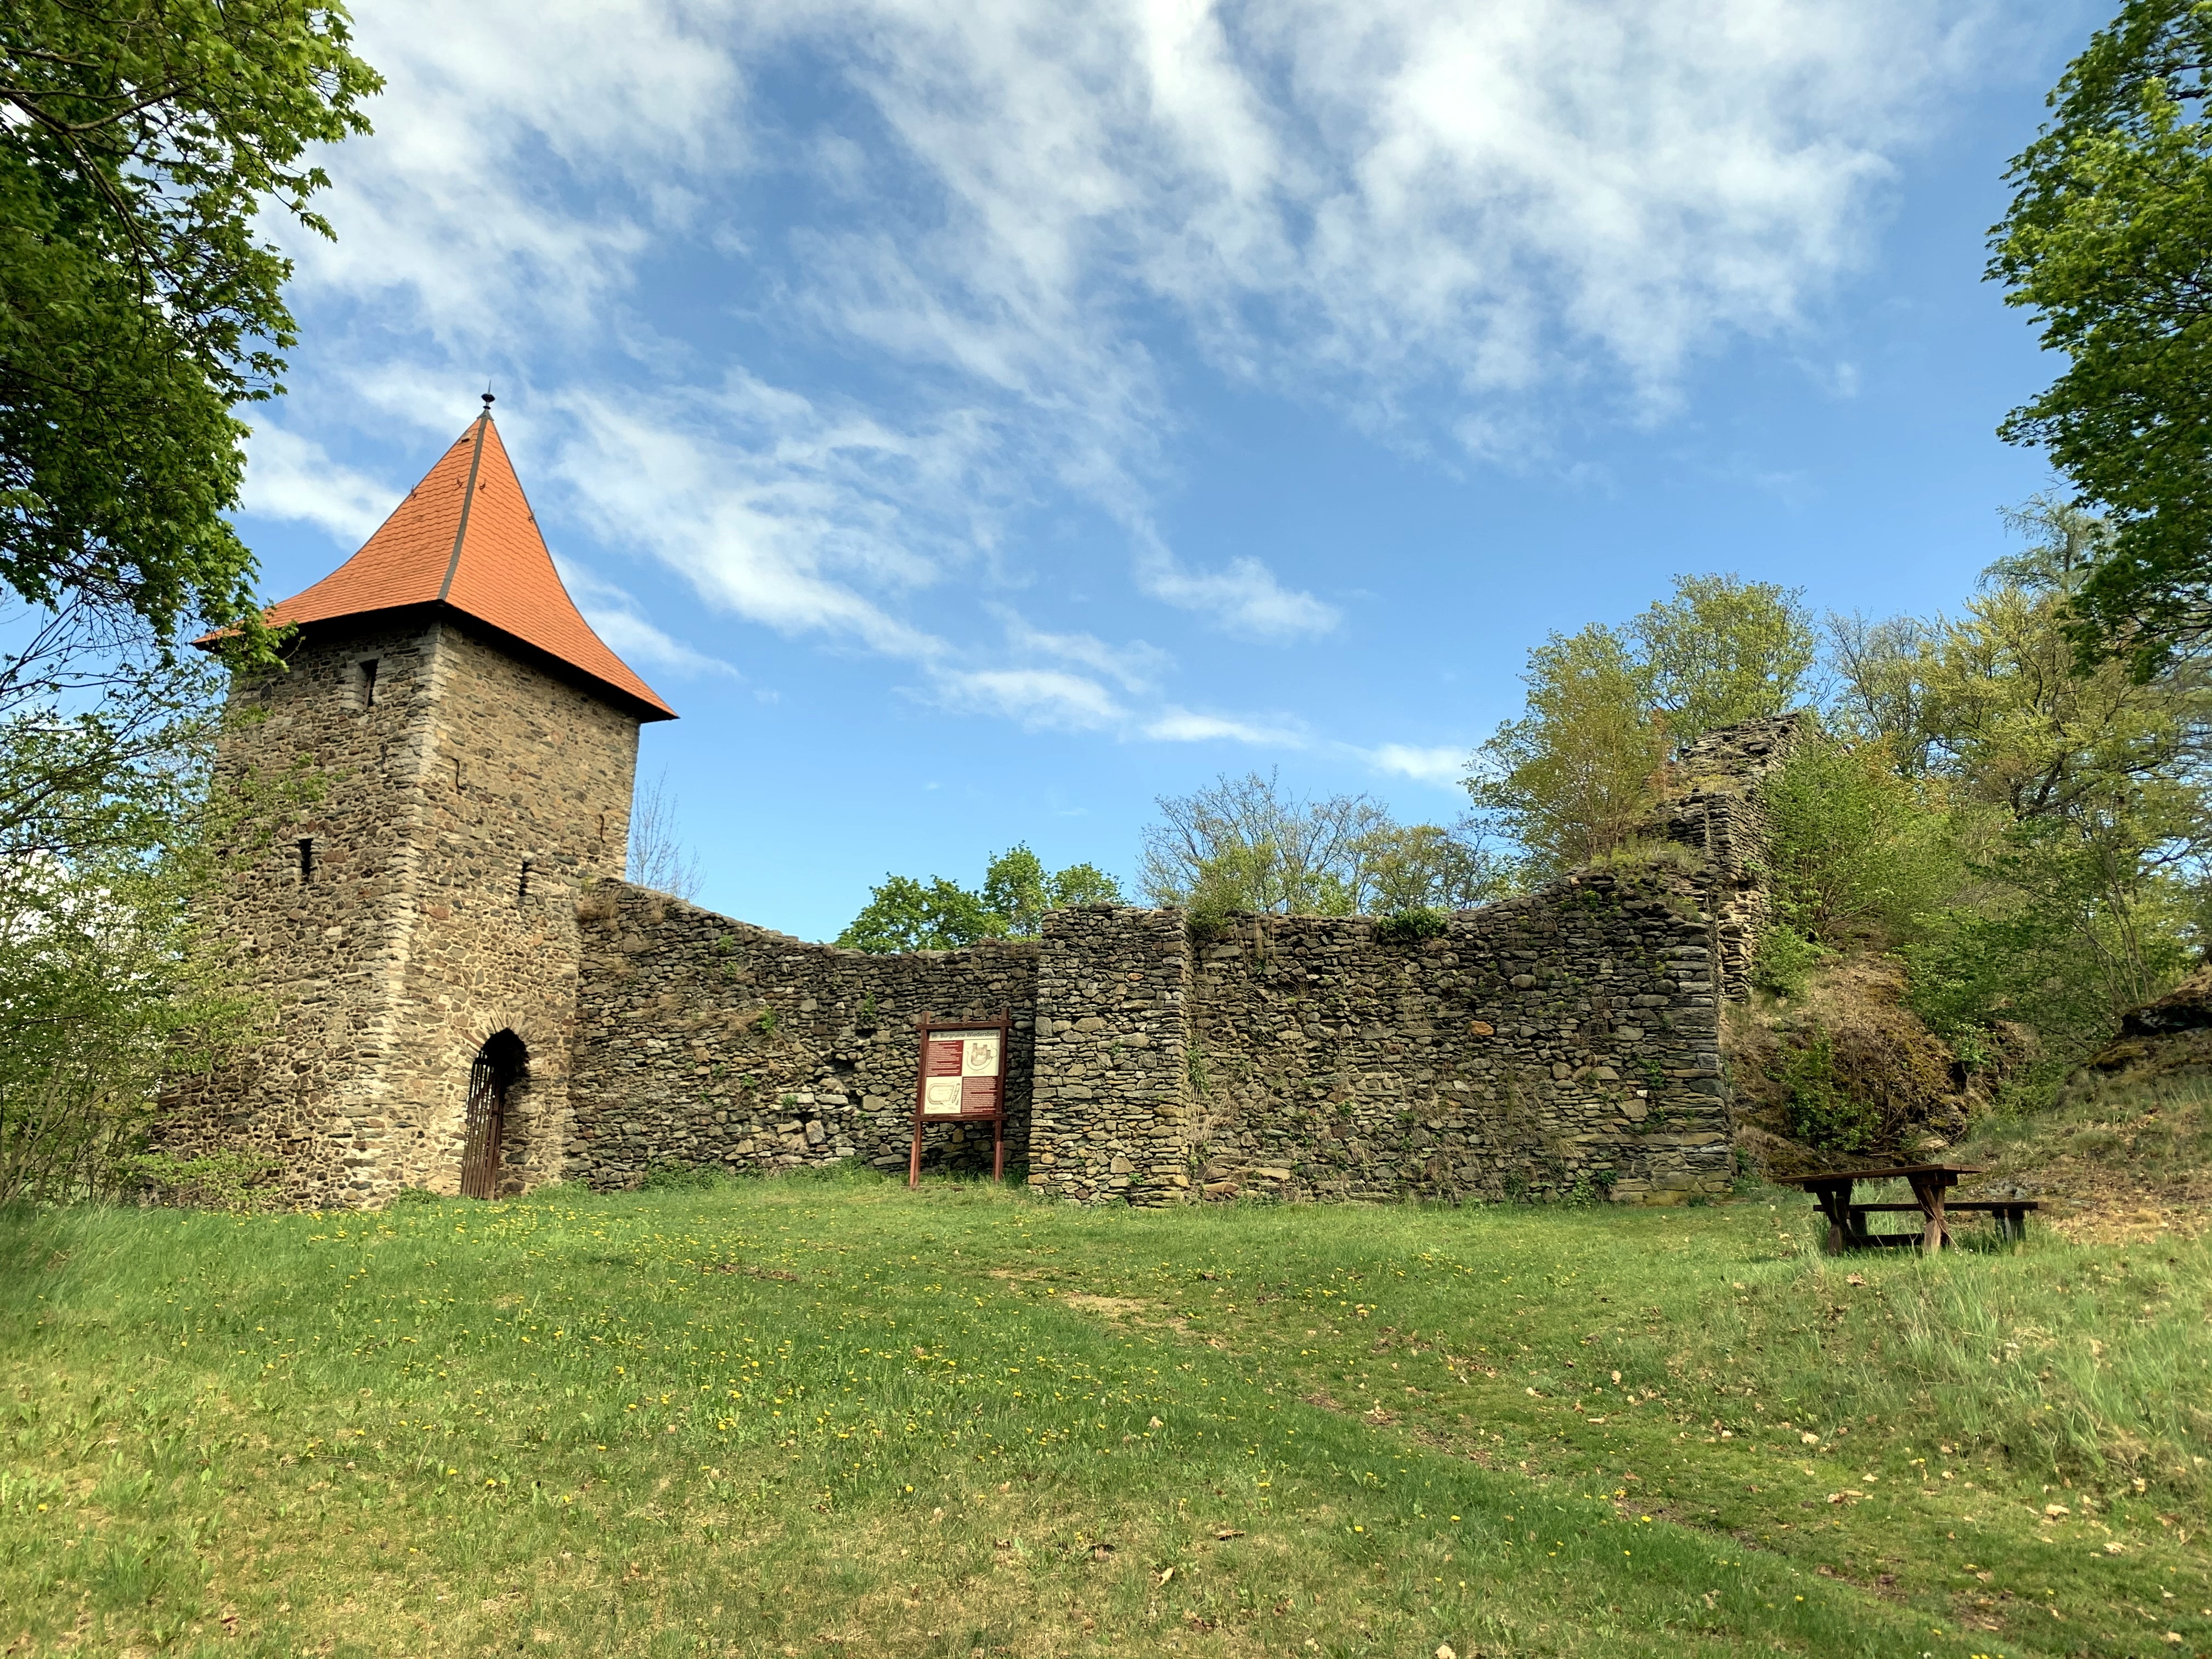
column 499, row 1066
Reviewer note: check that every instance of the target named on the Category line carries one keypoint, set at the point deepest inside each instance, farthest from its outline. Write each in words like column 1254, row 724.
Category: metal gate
column 486, row 1118
column 498, row 1064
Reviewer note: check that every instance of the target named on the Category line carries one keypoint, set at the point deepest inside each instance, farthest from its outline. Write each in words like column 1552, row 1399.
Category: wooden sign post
column 963, row 1078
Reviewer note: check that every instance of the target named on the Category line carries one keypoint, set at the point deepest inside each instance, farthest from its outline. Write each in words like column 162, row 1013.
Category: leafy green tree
column 1424, row 866
column 2014, row 721
column 1723, row 650
column 2078, row 922
column 1016, row 887
column 1858, row 856
column 113, row 825
column 1247, row 844
column 2068, row 804
column 906, row 914
column 138, row 303
column 1575, row 777
column 109, row 988
column 1878, row 673
column 2108, row 243
column 1861, row 856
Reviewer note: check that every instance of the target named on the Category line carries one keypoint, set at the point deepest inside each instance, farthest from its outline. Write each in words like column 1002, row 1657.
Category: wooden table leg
column 1835, row 1203
column 1929, row 1194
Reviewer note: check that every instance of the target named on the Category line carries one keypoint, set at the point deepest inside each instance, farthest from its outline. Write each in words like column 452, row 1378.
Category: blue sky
column 979, row 420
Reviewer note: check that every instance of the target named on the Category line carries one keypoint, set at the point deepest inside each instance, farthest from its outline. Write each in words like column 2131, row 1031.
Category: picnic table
column 1930, row 1184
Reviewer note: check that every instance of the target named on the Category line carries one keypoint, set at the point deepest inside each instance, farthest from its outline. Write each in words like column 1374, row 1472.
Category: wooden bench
column 2010, row 1215
column 1930, row 1184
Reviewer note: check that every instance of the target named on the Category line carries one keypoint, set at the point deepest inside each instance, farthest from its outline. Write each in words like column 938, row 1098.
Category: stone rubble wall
column 706, row 1042
column 1714, row 808
column 1559, row 1044
column 1112, row 1114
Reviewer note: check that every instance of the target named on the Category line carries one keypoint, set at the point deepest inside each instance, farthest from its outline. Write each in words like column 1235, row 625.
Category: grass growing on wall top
column 802, row 1415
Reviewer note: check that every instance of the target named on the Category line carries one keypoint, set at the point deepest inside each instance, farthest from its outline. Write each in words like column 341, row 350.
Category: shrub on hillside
column 1859, row 853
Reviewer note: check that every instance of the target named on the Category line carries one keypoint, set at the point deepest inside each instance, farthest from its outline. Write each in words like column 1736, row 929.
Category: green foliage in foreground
column 139, row 301
column 779, row 1414
column 2108, row 244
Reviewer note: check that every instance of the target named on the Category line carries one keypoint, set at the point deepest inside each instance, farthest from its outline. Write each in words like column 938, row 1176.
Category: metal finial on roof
column 488, row 400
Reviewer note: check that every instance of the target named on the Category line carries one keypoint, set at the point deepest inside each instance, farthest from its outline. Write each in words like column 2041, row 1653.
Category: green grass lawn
column 802, row 1417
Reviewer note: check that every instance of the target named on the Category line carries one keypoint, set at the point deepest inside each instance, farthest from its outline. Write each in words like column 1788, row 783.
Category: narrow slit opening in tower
column 307, row 860
column 500, row 1065
column 368, row 683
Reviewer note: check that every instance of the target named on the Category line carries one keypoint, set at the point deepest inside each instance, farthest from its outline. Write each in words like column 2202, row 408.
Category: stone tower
column 412, row 932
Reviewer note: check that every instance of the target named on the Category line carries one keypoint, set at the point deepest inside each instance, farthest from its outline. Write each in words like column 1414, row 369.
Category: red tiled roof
column 465, row 538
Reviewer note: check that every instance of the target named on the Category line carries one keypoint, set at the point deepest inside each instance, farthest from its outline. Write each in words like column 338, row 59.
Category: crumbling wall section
column 1714, row 808
column 1565, row 1043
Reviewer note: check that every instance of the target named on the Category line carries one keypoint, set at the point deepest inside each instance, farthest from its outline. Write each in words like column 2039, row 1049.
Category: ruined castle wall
column 1560, row 1042
column 467, row 847
column 384, row 961
column 1715, row 808
column 1113, row 1099
column 702, row 1040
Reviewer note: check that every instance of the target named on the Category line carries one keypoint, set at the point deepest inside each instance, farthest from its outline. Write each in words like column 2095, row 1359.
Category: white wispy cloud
column 530, row 155
column 1133, row 665
column 1173, row 725
column 1442, row 764
column 785, row 529
column 1243, row 596
column 1033, row 696
column 1435, row 218
column 290, row 476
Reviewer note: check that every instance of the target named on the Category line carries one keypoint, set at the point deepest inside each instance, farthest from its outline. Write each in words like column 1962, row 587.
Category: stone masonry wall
column 1560, row 1042
column 1113, row 1106
column 702, row 1040
column 325, row 955
column 526, row 769
column 414, row 935
column 1566, row 1041
column 1714, row 807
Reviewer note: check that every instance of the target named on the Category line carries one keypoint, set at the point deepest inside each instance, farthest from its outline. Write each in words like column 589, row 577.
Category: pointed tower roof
column 465, row 539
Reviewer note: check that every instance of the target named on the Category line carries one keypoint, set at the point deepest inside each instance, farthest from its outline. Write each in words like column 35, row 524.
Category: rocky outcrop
column 2167, row 1035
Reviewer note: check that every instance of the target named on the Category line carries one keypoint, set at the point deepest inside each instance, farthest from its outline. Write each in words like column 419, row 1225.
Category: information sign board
column 963, row 1078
